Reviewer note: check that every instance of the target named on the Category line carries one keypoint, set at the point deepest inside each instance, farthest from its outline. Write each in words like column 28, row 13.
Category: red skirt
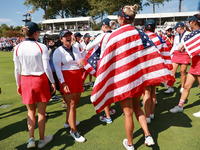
column 35, row 89
column 73, row 79
column 195, row 68
column 181, row 57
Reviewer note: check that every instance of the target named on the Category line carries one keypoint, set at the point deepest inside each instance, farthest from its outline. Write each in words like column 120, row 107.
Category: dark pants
column 56, row 82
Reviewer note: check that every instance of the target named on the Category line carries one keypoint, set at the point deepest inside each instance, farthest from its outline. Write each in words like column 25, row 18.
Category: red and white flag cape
column 192, row 43
column 90, row 67
column 129, row 64
column 162, row 47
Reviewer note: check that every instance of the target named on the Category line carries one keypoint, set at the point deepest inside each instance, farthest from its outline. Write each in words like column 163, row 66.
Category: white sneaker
column 112, row 111
column 77, row 136
column 181, row 90
column 55, row 97
column 43, row 143
column 197, row 114
column 148, row 120
column 152, row 116
column 67, row 125
column 85, row 84
column 125, row 143
column 105, row 119
column 149, row 141
column 176, row 109
column 170, row 90
column 91, row 84
column 156, row 102
column 31, row 143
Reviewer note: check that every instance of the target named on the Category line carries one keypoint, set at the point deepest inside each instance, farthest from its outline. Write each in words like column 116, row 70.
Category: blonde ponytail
column 131, row 10
column 112, row 24
column 25, row 31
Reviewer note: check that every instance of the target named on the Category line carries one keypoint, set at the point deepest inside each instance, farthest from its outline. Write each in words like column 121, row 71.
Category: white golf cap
column 167, row 28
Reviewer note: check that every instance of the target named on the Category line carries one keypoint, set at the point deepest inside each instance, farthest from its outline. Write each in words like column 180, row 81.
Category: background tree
column 62, row 8
column 43, row 4
column 154, row 3
column 13, row 33
column 10, row 31
column 179, row 7
column 101, row 7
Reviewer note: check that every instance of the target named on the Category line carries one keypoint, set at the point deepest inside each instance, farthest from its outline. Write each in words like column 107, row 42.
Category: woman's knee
column 128, row 113
column 183, row 72
column 73, row 104
column 187, row 87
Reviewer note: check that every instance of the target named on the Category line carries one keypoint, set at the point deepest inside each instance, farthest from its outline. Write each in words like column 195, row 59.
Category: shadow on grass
column 14, row 128
column 19, row 126
column 164, row 120
column 13, row 112
column 84, row 100
column 21, row 109
column 89, row 124
column 162, row 123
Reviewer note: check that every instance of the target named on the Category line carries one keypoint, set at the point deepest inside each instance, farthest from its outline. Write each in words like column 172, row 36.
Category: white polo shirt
column 178, row 41
column 63, row 61
column 102, row 38
column 79, row 46
column 33, row 58
column 84, row 52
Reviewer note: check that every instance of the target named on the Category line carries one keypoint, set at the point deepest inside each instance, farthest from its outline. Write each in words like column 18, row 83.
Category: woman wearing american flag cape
column 101, row 40
column 179, row 58
column 130, row 62
column 192, row 46
column 149, row 95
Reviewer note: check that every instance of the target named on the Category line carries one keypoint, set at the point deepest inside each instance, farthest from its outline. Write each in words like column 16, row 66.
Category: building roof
column 75, row 19
column 159, row 15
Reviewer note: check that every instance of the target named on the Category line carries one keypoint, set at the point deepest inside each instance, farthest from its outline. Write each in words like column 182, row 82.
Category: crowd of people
column 8, row 44
column 131, row 63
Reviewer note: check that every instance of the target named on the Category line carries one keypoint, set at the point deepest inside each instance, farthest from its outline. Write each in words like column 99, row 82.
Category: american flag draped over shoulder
column 130, row 63
column 192, row 43
column 92, row 59
column 162, row 47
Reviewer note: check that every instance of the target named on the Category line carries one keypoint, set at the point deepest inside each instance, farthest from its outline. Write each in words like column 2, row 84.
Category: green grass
column 170, row 131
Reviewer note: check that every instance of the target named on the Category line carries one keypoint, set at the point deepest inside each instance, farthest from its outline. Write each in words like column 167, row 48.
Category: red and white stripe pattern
column 192, row 43
column 88, row 66
column 128, row 65
column 163, row 48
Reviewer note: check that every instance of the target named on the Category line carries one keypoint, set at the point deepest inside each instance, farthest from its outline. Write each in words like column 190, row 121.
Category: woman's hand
column 19, row 91
column 181, row 48
column 53, row 88
column 81, row 63
column 65, row 88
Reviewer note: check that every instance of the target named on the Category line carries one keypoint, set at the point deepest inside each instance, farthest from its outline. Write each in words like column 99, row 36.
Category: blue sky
column 12, row 10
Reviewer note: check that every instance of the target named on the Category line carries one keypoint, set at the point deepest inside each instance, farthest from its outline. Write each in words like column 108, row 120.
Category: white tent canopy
column 73, row 24
column 159, row 15
column 62, row 20
column 160, row 18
